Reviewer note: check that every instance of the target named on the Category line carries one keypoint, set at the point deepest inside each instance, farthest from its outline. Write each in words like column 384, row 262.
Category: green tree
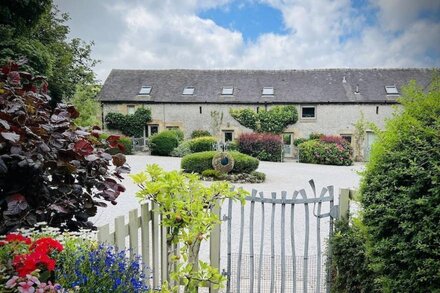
column 274, row 120
column 86, row 104
column 37, row 31
column 401, row 195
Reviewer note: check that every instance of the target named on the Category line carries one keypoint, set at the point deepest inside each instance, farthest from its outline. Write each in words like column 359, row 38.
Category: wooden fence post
column 214, row 246
column 344, row 203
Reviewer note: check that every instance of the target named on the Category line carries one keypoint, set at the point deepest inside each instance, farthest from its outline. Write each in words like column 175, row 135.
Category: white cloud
column 169, row 34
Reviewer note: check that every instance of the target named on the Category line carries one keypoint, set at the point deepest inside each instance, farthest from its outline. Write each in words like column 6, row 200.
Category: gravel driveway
column 287, row 176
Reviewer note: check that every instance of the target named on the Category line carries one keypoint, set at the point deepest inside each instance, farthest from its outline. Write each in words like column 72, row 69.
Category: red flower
column 46, row 245
column 27, row 263
column 18, row 238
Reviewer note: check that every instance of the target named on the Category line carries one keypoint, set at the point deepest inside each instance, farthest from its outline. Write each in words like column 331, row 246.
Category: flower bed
column 52, row 262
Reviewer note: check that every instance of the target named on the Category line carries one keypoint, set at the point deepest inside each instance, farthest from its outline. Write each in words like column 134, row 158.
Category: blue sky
column 257, row 34
column 251, row 19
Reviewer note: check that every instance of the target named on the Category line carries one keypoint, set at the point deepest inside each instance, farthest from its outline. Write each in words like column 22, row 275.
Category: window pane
column 227, row 90
column 131, row 110
column 308, row 112
column 188, row 90
column 145, row 90
column 268, row 91
column 228, row 136
column 347, row 138
column 391, row 90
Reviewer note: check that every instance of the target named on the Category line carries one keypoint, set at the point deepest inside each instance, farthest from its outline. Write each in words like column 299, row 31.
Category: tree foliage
column 274, row 120
column 49, row 170
column 186, row 206
column 401, row 195
column 37, row 31
column 130, row 125
column 85, row 103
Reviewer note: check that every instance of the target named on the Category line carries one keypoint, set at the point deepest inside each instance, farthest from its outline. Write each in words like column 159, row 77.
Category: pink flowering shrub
column 263, row 146
column 327, row 150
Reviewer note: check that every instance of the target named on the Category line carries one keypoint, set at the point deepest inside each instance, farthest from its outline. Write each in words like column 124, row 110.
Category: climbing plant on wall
column 274, row 120
column 131, row 124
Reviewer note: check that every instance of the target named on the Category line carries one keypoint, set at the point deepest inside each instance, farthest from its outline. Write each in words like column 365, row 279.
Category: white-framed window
column 227, row 91
column 308, row 112
column 145, row 90
column 268, row 91
column 189, row 90
column 392, row 90
column 131, row 109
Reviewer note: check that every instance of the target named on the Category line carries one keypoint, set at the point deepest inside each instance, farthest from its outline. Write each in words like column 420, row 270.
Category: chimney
column 343, row 79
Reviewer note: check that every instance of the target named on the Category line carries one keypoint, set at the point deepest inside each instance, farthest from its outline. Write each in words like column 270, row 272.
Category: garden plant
column 186, row 206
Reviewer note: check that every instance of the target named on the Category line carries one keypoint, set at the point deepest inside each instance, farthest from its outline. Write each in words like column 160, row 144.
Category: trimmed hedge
column 326, row 153
column 263, row 146
column 201, row 144
column 199, row 162
column 200, row 133
column 163, row 143
column 400, row 193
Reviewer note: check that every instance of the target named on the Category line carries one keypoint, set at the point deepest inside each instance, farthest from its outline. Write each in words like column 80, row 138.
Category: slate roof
column 290, row 86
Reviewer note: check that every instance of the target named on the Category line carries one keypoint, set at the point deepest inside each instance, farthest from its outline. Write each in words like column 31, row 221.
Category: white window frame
column 131, row 109
column 307, row 118
column 188, row 91
column 145, row 90
column 392, row 90
column 228, row 91
column 268, row 91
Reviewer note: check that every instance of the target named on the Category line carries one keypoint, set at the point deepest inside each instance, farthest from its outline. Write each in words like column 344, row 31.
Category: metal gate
column 283, row 262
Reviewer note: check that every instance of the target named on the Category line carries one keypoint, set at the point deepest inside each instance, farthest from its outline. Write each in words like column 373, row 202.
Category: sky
column 257, row 34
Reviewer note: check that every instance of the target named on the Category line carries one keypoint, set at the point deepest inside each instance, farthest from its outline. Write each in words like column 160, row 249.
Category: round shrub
column 326, row 153
column 163, row 143
column 200, row 133
column 182, row 150
column 202, row 144
column 178, row 133
column 199, row 162
column 400, row 193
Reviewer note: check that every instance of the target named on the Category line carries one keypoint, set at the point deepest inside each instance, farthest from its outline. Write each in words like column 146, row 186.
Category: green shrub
column 213, row 173
column 200, row 133
column 129, row 125
column 298, row 141
column 400, row 193
column 199, row 162
column 163, row 143
column 327, row 153
column 232, row 146
column 202, row 144
column 182, row 150
column 350, row 271
column 179, row 133
column 259, row 175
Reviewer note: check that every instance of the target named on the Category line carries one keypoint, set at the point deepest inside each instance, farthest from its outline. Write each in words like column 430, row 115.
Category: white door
column 371, row 137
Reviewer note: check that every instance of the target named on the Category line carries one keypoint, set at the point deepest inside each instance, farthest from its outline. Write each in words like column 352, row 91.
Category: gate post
column 344, row 203
column 214, row 245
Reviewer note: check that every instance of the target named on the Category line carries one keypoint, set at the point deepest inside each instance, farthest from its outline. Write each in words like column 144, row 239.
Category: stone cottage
column 328, row 101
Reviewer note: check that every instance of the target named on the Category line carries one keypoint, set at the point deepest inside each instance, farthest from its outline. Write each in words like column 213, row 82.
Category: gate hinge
column 225, row 273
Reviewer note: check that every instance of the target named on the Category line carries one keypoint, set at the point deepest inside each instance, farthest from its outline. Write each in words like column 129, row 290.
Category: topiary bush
column 200, row 133
column 327, row 153
column 263, row 146
column 50, row 170
column 199, row 162
column 400, row 193
column 129, row 125
column 274, row 120
column 202, row 144
column 163, row 143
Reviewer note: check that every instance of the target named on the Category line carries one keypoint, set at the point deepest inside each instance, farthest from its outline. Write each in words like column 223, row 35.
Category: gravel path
column 288, row 176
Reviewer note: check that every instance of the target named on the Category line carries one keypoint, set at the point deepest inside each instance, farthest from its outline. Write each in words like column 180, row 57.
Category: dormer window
column 145, row 90
column 391, row 90
column 268, row 91
column 228, row 91
column 189, row 90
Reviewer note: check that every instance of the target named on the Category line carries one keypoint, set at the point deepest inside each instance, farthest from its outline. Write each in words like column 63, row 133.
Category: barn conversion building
column 328, row 101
